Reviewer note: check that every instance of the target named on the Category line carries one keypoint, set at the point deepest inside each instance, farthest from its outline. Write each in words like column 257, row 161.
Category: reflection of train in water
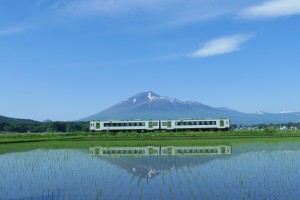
column 160, row 125
column 163, row 150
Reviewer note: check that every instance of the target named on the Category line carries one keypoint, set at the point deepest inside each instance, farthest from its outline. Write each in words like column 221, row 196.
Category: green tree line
column 45, row 127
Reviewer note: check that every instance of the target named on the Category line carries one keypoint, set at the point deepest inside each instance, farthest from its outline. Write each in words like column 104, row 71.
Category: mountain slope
column 16, row 121
column 149, row 105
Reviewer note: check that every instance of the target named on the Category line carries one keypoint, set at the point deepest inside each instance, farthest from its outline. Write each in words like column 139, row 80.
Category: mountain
column 47, row 121
column 16, row 121
column 149, row 105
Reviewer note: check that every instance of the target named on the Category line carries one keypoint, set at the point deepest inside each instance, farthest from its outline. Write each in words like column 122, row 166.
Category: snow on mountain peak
column 287, row 111
column 153, row 97
column 149, row 96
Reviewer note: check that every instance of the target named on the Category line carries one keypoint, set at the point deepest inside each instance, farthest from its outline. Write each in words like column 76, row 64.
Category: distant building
column 283, row 128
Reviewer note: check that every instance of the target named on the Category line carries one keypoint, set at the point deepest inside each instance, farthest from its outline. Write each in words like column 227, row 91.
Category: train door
column 169, row 124
column 150, row 125
column 221, row 123
column 98, row 125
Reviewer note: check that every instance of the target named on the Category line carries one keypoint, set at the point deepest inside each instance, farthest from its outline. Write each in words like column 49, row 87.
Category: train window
column 164, row 123
column 214, row 122
column 154, row 123
column 143, row 123
column 178, row 123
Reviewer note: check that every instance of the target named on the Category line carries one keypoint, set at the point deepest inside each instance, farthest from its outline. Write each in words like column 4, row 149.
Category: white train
column 160, row 125
column 160, row 151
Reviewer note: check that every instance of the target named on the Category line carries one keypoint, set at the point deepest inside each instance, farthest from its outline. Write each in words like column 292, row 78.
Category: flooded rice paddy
column 235, row 170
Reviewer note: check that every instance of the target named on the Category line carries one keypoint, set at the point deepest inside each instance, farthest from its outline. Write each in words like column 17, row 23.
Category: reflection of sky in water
column 258, row 171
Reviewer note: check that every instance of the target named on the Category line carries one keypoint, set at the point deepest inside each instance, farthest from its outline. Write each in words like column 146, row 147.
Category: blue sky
column 68, row 59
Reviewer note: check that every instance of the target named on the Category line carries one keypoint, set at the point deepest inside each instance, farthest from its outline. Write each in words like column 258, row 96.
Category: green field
column 87, row 136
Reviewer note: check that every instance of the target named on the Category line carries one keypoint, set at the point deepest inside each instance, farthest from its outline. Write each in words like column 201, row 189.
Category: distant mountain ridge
column 16, row 120
column 149, row 105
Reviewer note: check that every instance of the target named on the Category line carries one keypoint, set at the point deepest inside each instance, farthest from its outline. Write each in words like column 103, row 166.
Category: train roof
column 137, row 120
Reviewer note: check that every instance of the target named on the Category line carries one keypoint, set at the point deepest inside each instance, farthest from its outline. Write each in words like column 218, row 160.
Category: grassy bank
column 86, row 144
column 86, row 136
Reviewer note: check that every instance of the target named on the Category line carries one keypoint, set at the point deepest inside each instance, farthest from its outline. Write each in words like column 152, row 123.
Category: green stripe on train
column 221, row 123
column 169, row 124
column 150, row 124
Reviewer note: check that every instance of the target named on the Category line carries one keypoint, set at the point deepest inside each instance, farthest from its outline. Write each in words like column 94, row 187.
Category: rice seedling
column 261, row 171
column 161, row 192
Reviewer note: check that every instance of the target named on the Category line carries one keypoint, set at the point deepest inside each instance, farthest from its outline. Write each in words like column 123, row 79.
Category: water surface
column 241, row 170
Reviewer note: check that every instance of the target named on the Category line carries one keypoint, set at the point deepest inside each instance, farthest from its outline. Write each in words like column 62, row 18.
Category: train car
column 163, row 125
column 125, row 125
column 195, row 124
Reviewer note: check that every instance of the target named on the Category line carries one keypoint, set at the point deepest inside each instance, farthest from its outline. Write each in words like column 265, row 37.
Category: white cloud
column 271, row 9
column 11, row 30
column 221, row 45
column 153, row 12
column 92, row 7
